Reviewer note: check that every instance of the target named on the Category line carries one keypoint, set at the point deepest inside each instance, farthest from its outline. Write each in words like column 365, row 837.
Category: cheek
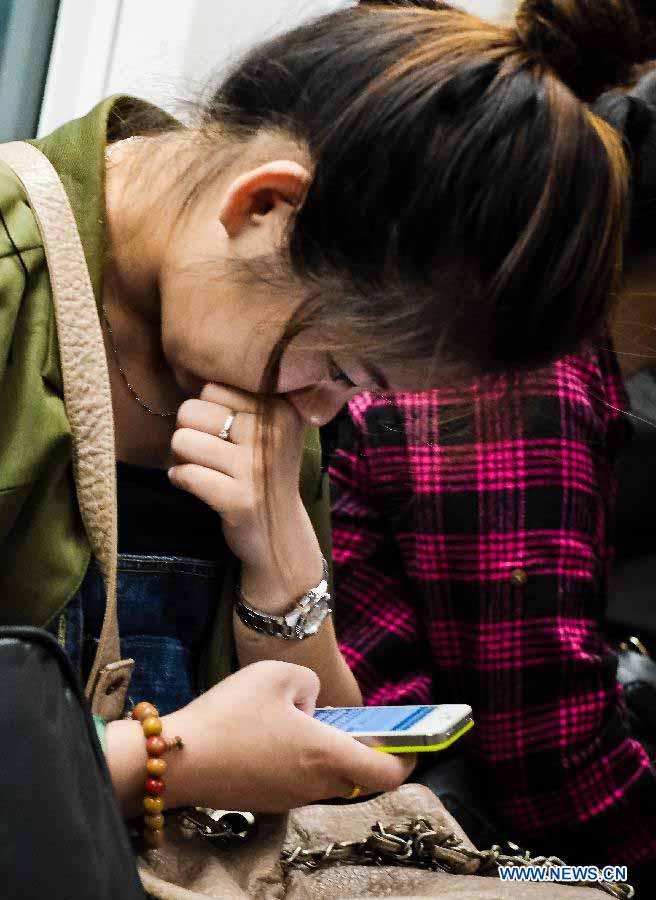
column 216, row 332
column 297, row 373
column 201, row 344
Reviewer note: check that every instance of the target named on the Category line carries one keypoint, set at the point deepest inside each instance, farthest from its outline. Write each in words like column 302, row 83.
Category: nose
column 319, row 404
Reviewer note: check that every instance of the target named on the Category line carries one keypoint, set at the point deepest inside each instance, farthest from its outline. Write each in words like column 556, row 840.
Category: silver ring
column 224, row 434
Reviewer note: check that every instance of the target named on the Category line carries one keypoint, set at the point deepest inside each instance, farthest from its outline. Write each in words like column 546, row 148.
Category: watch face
column 313, row 619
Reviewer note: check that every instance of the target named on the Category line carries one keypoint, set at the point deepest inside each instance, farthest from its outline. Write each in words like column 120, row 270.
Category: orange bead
column 154, row 838
column 152, row 726
column 143, row 710
column 156, row 767
column 155, row 823
column 156, row 745
column 153, row 805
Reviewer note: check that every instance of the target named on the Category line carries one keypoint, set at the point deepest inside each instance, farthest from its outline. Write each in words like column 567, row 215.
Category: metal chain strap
column 418, row 844
column 421, row 845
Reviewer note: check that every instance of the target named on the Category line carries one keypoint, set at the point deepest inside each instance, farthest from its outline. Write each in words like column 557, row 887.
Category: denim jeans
column 166, row 606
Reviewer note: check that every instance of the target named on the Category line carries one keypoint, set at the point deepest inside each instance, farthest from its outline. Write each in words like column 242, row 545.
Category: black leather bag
column 62, row 836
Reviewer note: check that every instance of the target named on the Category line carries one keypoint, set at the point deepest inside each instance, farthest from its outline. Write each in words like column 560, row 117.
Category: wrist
column 274, row 581
column 286, row 561
column 181, row 788
column 126, row 760
column 127, row 757
column 270, row 591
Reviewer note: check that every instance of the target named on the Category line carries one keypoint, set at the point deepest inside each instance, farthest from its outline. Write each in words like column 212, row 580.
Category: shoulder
column 587, row 387
column 18, row 227
column 376, row 418
column 23, row 274
column 581, row 392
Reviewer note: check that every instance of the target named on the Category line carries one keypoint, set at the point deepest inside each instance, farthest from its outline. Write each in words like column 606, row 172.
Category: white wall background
column 166, row 50
column 182, row 50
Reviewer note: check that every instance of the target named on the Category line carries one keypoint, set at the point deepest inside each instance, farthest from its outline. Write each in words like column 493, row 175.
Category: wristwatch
column 304, row 620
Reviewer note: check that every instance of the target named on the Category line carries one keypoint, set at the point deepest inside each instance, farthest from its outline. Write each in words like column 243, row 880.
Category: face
column 222, row 333
column 219, row 327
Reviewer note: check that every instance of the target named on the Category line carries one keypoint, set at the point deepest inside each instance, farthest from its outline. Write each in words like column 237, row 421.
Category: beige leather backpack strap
column 88, row 400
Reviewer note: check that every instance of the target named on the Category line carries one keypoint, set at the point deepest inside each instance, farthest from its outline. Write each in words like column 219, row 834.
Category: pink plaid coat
column 472, row 541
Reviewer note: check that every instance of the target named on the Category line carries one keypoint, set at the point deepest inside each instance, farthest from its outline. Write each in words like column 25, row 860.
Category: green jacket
column 44, row 551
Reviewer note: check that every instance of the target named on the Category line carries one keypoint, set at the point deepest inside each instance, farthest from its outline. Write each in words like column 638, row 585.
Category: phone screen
column 375, row 719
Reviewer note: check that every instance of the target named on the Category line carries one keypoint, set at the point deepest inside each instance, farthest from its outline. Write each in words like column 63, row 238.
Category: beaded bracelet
column 156, row 747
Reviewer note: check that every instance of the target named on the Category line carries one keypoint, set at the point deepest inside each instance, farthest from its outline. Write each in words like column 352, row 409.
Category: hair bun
column 592, row 45
column 634, row 116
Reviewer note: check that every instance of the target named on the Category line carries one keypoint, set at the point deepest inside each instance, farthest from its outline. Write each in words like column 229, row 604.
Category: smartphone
column 401, row 729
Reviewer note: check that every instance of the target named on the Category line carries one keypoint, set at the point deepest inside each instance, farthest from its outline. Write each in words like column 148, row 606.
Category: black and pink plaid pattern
column 472, row 541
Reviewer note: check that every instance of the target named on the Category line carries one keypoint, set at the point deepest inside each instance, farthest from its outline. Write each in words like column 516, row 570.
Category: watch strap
column 302, row 621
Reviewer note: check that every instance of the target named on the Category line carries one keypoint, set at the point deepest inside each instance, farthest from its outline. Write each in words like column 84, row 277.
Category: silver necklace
column 142, row 403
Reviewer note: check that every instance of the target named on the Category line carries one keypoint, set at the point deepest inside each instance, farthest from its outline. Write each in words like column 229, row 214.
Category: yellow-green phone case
column 429, row 748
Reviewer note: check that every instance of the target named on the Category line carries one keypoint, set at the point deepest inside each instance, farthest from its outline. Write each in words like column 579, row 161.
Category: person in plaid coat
column 472, row 533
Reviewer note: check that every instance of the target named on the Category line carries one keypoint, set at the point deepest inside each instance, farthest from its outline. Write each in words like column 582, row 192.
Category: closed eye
column 338, row 375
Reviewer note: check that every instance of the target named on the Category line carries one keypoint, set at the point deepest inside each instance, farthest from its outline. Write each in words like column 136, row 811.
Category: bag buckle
column 219, row 824
column 634, row 643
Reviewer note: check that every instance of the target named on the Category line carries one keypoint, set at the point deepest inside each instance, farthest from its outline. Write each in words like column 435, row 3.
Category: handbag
column 317, row 851
column 400, row 844
column 60, row 826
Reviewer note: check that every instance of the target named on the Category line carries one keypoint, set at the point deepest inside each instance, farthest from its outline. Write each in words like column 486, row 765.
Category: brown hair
column 593, row 45
column 459, row 177
column 466, row 206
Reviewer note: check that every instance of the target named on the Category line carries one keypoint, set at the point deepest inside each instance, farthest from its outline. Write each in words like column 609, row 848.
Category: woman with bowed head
column 395, row 195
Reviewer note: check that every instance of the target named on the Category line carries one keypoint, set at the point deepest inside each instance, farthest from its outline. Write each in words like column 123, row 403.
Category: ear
column 261, row 191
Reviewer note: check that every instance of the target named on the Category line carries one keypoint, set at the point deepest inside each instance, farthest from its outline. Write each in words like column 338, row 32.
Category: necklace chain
column 142, row 403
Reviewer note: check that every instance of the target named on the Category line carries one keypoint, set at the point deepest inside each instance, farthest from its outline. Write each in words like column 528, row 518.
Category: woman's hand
column 251, row 743
column 227, row 475
column 279, row 564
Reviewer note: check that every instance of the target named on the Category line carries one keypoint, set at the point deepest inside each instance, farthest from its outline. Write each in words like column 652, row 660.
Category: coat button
column 518, row 577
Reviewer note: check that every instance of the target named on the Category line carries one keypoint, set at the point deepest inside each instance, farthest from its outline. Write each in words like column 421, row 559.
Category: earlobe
column 257, row 192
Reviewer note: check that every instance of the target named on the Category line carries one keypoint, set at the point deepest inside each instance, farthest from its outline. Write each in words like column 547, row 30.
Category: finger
column 191, row 446
column 217, row 489
column 201, row 415
column 239, row 401
column 374, row 770
column 304, row 686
